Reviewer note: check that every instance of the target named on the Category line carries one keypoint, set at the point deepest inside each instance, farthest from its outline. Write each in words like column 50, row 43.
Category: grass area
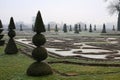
column 13, row 67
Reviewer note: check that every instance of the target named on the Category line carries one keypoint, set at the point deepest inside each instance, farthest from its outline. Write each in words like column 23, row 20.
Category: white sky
column 68, row 11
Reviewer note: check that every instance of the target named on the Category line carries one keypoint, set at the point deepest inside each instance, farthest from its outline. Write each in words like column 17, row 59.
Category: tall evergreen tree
column 11, row 47
column 90, row 30
column 64, row 28
column 104, row 29
column 39, row 68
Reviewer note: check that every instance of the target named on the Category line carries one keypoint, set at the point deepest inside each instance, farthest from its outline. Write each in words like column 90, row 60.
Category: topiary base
column 39, row 69
column 11, row 47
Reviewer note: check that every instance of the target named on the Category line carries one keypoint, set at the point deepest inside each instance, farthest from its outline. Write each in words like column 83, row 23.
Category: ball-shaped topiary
column 11, row 33
column 39, row 54
column 38, row 39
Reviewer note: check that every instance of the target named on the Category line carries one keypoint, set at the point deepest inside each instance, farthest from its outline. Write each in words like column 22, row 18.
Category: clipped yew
column 1, row 35
column 90, row 29
column 104, row 29
column 11, row 47
column 39, row 68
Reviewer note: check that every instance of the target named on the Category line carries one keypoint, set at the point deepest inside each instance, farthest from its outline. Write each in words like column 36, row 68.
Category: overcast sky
column 68, row 11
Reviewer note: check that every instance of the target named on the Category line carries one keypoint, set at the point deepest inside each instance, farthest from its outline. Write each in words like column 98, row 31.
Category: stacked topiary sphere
column 39, row 68
column 1, row 35
column 11, row 47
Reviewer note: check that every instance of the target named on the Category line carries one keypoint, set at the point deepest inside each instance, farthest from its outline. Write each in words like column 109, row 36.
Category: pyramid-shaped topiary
column 85, row 27
column 11, row 47
column 104, row 29
column 76, row 30
column 1, row 35
column 90, row 29
column 39, row 68
column 65, row 28
column 21, row 29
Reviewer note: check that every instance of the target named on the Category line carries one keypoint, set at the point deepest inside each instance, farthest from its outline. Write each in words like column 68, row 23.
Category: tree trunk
column 118, row 23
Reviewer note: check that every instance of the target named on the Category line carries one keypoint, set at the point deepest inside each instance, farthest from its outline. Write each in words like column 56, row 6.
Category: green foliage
column 70, row 28
column 39, row 25
column 94, row 27
column 21, row 29
column 11, row 47
column 39, row 69
column 76, row 29
column 39, row 54
column 56, row 28
column 11, row 33
column 48, row 27
column 104, row 29
column 1, row 26
column 90, row 30
column 64, row 28
column 11, row 24
column 113, row 28
column 80, row 28
column 1, row 35
column 38, row 39
column 85, row 27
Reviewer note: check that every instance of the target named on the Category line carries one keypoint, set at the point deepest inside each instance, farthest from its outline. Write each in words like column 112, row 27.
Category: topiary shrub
column 2, row 42
column 104, row 29
column 76, row 30
column 65, row 28
column 39, row 68
column 90, row 30
column 11, row 47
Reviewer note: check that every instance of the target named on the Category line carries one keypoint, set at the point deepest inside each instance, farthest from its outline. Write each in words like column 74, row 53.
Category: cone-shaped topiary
column 56, row 28
column 64, row 28
column 39, row 68
column 11, row 47
column 76, row 29
column 11, row 24
column 94, row 27
column 70, row 28
column 39, row 26
column 48, row 27
column 104, row 29
column 1, row 35
column 85, row 27
column 90, row 30
column 113, row 28
column 80, row 28
column 21, row 29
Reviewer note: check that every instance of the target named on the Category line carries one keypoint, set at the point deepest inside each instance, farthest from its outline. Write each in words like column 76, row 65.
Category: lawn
column 13, row 67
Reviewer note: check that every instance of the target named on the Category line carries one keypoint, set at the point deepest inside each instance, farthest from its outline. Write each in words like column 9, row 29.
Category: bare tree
column 114, row 7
